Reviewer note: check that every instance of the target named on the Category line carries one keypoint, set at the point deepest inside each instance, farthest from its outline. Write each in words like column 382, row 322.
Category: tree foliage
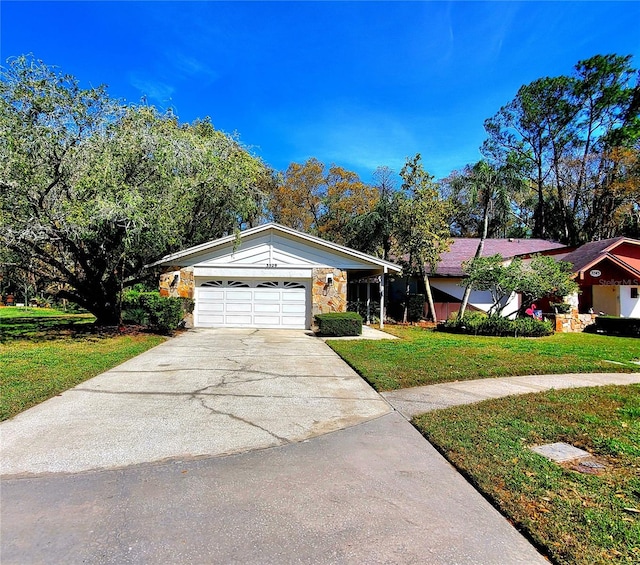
column 540, row 277
column 91, row 189
column 577, row 140
column 421, row 228
column 322, row 201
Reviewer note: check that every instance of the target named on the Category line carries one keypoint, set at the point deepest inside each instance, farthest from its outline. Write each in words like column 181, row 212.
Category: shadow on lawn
column 50, row 328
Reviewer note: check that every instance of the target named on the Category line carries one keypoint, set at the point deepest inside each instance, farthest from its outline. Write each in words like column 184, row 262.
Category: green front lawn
column 45, row 352
column 423, row 357
column 575, row 518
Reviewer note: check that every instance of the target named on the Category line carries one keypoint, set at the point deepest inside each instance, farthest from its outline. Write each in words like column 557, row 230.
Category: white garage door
column 251, row 304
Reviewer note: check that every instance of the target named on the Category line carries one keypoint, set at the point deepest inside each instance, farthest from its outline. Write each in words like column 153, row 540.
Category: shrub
column 154, row 311
column 339, row 324
column 478, row 323
column 496, row 326
column 469, row 324
column 529, row 327
column 629, row 327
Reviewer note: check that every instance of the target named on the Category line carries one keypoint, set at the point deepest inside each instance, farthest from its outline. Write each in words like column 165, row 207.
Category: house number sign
column 595, row 273
column 272, row 265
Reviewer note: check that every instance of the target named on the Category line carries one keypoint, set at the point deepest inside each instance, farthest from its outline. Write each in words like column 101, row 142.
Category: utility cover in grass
column 561, row 452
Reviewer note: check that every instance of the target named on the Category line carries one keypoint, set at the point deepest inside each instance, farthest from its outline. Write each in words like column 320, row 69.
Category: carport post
column 368, row 302
column 381, row 280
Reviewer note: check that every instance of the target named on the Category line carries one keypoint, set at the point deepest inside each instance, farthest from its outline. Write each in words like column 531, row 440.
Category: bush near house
column 338, row 324
column 476, row 323
column 149, row 309
column 628, row 327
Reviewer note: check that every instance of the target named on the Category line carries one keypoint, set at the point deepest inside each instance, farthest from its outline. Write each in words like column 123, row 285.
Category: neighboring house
column 608, row 273
column 270, row 276
column 447, row 278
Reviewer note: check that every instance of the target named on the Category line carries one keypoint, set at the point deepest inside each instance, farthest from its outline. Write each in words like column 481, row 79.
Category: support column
column 381, row 279
column 368, row 302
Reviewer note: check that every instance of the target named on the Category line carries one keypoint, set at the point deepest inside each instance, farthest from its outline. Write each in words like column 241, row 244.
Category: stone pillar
column 328, row 291
column 179, row 283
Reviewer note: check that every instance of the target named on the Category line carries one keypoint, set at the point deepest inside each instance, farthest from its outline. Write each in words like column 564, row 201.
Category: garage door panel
column 267, row 321
column 239, row 295
column 239, row 307
column 211, row 295
column 264, row 308
column 211, row 307
column 293, row 321
column 210, row 320
column 262, row 295
column 238, row 319
column 252, row 303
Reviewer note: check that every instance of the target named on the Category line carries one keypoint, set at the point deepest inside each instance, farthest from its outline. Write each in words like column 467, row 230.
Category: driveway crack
column 197, row 396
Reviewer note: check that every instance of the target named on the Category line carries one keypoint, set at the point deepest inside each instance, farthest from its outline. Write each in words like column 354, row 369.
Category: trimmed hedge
column 157, row 312
column 338, row 324
column 627, row 327
column 476, row 323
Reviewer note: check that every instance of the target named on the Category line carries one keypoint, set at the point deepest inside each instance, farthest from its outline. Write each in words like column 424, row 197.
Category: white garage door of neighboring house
column 251, row 304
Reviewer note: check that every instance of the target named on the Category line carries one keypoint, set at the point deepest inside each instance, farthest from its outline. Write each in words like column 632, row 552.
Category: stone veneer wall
column 328, row 298
column 181, row 287
column 572, row 322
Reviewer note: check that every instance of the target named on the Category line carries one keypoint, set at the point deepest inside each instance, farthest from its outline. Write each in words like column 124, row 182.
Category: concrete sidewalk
column 413, row 401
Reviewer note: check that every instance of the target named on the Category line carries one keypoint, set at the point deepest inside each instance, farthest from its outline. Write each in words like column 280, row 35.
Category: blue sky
column 359, row 84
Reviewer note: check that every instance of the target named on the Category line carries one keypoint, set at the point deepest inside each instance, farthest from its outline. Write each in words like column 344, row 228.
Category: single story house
column 608, row 273
column 269, row 276
column 446, row 279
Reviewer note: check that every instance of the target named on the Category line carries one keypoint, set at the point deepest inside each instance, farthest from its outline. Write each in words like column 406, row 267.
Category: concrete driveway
column 204, row 393
column 127, row 467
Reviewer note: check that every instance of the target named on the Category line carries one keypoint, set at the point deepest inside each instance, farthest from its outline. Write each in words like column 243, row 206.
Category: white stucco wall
column 481, row 299
column 629, row 307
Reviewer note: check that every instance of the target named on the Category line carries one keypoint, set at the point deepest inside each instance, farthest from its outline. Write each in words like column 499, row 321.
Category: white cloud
column 356, row 138
column 153, row 89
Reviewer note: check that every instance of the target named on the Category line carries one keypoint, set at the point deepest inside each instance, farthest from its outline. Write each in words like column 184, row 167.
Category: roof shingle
column 464, row 249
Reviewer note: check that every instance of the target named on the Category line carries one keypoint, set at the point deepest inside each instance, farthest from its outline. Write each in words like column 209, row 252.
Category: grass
column 575, row 518
column 423, row 357
column 43, row 352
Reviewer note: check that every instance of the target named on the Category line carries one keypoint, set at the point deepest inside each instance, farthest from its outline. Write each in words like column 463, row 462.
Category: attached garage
column 270, row 276
column 248, row 303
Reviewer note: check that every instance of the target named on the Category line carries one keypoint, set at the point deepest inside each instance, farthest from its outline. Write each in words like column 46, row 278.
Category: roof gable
column 274, row 244
column 623, row 251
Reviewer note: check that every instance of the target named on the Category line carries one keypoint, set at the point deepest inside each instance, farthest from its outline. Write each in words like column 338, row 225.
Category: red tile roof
column 464, row 249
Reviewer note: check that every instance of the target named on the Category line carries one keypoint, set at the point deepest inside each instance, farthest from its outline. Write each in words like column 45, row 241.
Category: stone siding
column 179, row 283
column 325, row 297
column 572, row 322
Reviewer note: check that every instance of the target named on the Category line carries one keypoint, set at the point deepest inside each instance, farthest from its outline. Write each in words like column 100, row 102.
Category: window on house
column 634, row 292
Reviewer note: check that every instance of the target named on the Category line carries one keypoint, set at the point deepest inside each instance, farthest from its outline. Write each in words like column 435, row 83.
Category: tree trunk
column 105, row 310
column 427, row 288
column 407, row 290
column 480, row 248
